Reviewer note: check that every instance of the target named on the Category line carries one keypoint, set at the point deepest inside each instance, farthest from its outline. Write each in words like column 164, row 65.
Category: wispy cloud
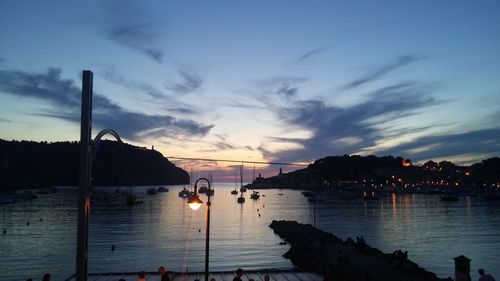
column 381, row 71
column 112, row 75
column 3, row 120
column 221, row 144
column 479, row 142
column 190, row 81
column 312, row 53
column 64, row 98
column 344, row 130
column 284, row 86
column 131, row 26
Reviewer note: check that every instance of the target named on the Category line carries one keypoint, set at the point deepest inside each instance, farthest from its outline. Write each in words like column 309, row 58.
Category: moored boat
column 184, row 193
column 162, row 189
column 255, row 195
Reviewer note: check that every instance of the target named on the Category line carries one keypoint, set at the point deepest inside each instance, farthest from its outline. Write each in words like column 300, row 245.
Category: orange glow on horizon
column 406, row 163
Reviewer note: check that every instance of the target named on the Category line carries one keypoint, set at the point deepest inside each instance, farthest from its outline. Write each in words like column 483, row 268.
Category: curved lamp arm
column 195, row 202
column 97, row 140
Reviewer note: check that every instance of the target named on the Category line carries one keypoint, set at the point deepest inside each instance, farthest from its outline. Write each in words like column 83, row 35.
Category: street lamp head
column 195, row 202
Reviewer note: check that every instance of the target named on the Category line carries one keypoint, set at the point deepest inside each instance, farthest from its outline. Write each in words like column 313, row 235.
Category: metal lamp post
column 88, row 149
column 195, row 203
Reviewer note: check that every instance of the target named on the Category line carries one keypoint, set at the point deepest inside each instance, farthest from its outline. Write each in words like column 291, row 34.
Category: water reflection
column 394, row 205
column 164, row 231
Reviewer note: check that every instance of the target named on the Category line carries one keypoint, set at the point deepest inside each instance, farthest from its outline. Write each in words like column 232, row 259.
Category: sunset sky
column 288, row 81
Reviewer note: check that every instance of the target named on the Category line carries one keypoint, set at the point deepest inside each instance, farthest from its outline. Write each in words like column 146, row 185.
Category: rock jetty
column 312, row 249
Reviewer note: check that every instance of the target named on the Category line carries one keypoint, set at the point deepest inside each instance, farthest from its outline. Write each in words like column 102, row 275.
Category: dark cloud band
column 64, row 98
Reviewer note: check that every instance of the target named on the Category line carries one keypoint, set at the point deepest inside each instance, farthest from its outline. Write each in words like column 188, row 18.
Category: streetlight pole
column 88, row 148
column 194, row 204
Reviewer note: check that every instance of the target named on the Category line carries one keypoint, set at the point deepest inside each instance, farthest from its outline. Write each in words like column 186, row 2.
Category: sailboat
column 242, row 188
column 234, row 192
column 241, row 199
column 210, row 191
column 255, row 194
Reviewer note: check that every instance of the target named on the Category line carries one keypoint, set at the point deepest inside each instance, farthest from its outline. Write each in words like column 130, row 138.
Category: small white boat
column 184, row 193
column 162, row 189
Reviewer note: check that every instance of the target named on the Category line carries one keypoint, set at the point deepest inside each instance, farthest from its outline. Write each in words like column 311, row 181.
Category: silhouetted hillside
column 26, row 164
column 386, row 171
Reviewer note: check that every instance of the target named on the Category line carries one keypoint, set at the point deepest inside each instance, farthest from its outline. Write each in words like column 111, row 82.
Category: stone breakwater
column 312, row 249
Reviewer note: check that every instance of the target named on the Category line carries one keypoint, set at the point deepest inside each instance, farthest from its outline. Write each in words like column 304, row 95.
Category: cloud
column 130, row 25
column 248, row 147
column 65, row 99
column 312, row 53
column 284, row 86
column 378, row 73
column 478, row 142
column 191, row 81
column 3, row 120
column 344, row 130
column 112, row 75
column 138, row 36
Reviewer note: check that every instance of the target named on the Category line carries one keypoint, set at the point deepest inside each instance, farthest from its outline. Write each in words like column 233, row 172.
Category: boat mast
column 241, row 175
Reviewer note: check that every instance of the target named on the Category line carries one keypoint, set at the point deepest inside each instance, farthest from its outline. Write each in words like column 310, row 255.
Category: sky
column 279, row 81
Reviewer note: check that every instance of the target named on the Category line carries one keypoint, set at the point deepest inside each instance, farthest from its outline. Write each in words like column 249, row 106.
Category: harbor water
column 40, row 234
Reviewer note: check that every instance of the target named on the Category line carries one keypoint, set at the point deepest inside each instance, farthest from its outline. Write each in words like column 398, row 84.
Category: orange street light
column 195, row 203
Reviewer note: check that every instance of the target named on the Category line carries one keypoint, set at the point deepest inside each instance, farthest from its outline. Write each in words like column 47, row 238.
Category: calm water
column 164, row 231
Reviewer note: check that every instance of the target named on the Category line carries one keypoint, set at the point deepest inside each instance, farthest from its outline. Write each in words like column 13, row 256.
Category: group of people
column 141, row 276
column 239, row 273
column 163, row 275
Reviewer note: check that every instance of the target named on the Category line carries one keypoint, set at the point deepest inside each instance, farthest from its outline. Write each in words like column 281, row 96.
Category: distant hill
column 387, row 170
column 28, row 164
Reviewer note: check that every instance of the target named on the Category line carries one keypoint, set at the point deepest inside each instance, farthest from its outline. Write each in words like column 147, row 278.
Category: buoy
column 257, row 210
column 41, row 219
column 113, row 247
column 199, row 229
column 28, row 223
column 4, row 231
column 259, row 215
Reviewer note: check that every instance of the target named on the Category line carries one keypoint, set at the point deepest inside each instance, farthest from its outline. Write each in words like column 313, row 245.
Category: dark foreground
column 318, row 251
column 274, row 275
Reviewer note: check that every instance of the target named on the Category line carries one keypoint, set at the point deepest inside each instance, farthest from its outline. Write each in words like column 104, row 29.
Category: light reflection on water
column 164, row 231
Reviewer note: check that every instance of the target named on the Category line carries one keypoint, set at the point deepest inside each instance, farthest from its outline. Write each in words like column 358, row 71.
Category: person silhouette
column 239, row 273
column 485, row 276
column 163, row 274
